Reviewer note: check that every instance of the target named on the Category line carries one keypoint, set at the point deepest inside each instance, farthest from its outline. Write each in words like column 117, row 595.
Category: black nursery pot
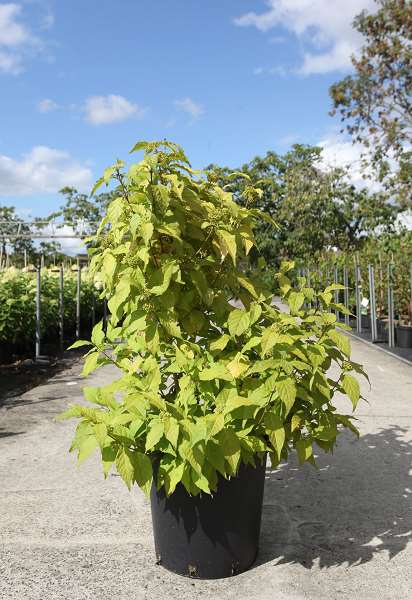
column 365, row 321
column 382, row 329
column 210, row 537
column 403, row 336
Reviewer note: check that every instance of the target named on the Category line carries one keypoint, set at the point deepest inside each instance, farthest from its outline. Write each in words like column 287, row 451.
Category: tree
column 375, row 102
column 316, row 207
column 80, row 207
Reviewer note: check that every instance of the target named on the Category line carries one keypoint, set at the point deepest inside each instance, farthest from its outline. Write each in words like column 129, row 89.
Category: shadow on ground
column 5, row 434
column 357, row 505
column 18, row 378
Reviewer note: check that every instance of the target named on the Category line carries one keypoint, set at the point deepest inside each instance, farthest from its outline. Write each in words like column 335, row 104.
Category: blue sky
column 82, row 80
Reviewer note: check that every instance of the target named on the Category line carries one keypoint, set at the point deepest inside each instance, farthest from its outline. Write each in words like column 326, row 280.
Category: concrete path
column 343, row 532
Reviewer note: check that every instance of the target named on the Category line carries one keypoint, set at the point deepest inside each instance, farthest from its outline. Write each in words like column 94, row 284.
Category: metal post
column 372, row 300
column 358, row 298
column 38, row 311
column 61, row 306
column 346, row 292
column 336, row 293
column 391, row 337
column 79, row 281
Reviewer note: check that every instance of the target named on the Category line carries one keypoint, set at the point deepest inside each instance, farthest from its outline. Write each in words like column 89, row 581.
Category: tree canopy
column 315, row 206
column 375, row 102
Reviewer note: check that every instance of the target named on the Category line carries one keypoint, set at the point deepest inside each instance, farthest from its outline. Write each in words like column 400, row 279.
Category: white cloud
column 15, row 39
column 340, row 152
column 324, row 27
column 42, row 170
column 101, row 110
column 10, row 63
column 47, row 105
column 68, row 245
column 190, row 107
column 277, row 71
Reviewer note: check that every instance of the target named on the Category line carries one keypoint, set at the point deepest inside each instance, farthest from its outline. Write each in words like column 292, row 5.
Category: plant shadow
column 358, row 504
column 5, row 434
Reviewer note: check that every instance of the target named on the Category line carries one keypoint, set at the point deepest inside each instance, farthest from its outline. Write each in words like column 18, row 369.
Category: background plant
column 18, row 306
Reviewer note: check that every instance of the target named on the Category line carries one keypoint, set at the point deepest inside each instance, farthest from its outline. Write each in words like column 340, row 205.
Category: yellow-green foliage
column 203, row 384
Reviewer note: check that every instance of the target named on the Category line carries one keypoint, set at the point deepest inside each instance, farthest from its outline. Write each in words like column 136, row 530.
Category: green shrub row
column 18, row 307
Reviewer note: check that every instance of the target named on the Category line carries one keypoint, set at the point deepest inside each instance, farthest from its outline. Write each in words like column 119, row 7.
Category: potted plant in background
column 402, row 275
column 206, row 389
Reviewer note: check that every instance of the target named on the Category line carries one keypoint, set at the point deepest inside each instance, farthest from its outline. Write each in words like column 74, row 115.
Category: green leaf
column 231, row 448
column 295, row 301
column 139, row 146
column 79, row 344
column 276, row 431
column 248, row 286
column 109, row 266
column 146, row 231
column 341, row 341
column 238, row 366
column 142, row 471
column 228, row 242
column 220, row 343
column 215, row 424
column 165, row 274
column 217, row 371
column 171, row 429
column 352, row 389
column 155, row 433
column 214, row 454
column 255, row 312
column 238, row 322
column 304, row 449
column 286, row 389
column 86, row 447
column 91, row 363
column 100, row 431
column 122, row 293
column 252, row 343
column 173, row 477
column 98, row 334
column 333, row 287
column 108, row 458
column 97, row 185
column 125, row 466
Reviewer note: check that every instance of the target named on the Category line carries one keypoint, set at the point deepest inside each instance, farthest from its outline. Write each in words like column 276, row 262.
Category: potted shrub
column 403, row 333
column 403, row 329
column 207, row 387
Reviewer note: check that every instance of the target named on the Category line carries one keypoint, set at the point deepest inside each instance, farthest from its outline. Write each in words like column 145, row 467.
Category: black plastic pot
column 365, row 321
column 382, row 329
column 210, row 537
column 403, row 336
